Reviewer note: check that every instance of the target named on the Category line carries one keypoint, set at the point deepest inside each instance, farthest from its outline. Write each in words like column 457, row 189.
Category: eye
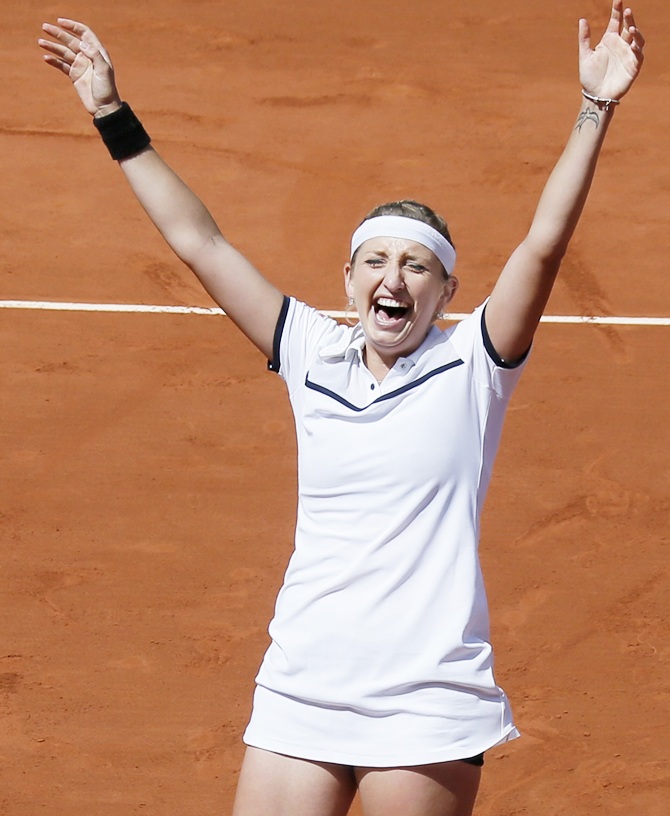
column 375, row 263
column 414, row 266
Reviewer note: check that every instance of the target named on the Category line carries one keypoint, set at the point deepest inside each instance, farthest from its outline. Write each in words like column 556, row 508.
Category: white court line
column 57, row 306
column 204, row 310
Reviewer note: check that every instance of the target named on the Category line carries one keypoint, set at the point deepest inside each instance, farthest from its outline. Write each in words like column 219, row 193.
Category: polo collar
column 346, row 348
column 352, row 343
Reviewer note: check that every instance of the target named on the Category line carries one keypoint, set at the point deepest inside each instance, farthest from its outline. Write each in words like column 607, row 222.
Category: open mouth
column 389, row 310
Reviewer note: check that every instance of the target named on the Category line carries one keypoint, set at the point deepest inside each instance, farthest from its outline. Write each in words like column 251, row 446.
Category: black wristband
column 122, row 132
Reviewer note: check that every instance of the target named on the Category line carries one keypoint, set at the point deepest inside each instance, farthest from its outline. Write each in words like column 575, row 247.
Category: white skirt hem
column 300, row 731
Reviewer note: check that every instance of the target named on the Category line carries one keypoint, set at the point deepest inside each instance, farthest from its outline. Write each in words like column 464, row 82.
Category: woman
column 379, row 675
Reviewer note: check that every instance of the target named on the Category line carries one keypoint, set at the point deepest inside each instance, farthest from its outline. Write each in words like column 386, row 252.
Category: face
column 397, row 286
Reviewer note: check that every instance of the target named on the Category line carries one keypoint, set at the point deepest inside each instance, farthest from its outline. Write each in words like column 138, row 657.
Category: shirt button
column 372, row 387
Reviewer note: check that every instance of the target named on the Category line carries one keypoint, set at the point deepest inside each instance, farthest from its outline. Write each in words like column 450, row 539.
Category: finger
column 616, row 17
column 82, row 31
column 628, row 18
column 637, row 44
column 85, row 33
column 584, row 38
column 73, row 25
column 639, row 40
column 57, row 63
column 628, row 25
column 62, row 52
column 632, row 35
column 62, row 36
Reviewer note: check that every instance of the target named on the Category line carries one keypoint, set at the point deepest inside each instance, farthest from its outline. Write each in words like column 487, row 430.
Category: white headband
column 398, row 226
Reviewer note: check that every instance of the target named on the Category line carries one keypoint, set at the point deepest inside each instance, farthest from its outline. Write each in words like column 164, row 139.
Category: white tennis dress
column 380, row 652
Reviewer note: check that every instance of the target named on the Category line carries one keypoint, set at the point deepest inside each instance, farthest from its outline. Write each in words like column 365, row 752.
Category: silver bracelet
column 600, row 100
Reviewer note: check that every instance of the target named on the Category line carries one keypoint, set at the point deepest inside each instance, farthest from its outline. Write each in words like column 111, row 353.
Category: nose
column 393, row 278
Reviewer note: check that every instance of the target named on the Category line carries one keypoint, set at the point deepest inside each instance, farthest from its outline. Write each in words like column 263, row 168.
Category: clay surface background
column 147, row 477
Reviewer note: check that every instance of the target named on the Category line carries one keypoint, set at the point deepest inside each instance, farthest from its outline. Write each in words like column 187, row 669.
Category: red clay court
column 148, row 476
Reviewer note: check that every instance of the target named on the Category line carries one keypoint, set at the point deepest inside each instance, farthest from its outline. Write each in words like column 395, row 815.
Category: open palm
column 611, row 68
column 78, row 53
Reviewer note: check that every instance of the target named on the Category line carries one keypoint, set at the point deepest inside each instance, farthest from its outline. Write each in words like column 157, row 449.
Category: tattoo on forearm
column 587, row 115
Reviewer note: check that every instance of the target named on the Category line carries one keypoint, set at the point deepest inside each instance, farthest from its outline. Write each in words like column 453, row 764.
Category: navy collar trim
column 391, row 395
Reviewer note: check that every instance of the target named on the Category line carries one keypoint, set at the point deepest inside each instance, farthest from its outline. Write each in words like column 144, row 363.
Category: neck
column 376, row 365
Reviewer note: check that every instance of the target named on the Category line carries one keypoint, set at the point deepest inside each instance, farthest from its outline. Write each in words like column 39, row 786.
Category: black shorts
column 475, row 760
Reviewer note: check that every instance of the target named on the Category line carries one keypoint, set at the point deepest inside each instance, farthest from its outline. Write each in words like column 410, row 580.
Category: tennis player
column 379, row 677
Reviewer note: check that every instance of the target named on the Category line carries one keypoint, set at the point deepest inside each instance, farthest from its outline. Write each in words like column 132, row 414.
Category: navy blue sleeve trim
column 493, row 354
column 274, row 364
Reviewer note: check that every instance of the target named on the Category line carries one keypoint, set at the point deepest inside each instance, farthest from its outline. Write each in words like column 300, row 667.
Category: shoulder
column 301, row 332
column 471, row 339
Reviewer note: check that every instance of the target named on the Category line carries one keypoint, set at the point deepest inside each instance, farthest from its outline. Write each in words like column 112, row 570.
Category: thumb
column 97, row 54
column 102, row 84
column 93, row 53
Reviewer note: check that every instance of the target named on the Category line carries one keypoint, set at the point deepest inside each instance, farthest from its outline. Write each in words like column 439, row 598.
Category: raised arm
column 521, row 293
column 182, row 219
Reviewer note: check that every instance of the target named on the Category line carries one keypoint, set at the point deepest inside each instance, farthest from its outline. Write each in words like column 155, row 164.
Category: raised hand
column 80, row 55
column 610, row 69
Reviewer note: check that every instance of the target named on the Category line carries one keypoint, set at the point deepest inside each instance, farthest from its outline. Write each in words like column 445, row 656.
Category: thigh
column 443, row 789
column 275, row 785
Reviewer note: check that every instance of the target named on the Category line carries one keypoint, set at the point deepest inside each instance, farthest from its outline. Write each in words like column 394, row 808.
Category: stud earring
column 350, row 304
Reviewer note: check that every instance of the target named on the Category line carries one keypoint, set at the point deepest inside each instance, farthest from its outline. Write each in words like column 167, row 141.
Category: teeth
column 394, row 304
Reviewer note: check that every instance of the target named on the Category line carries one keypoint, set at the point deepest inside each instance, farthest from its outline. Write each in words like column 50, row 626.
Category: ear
column 348, row 285
column 450, row 288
